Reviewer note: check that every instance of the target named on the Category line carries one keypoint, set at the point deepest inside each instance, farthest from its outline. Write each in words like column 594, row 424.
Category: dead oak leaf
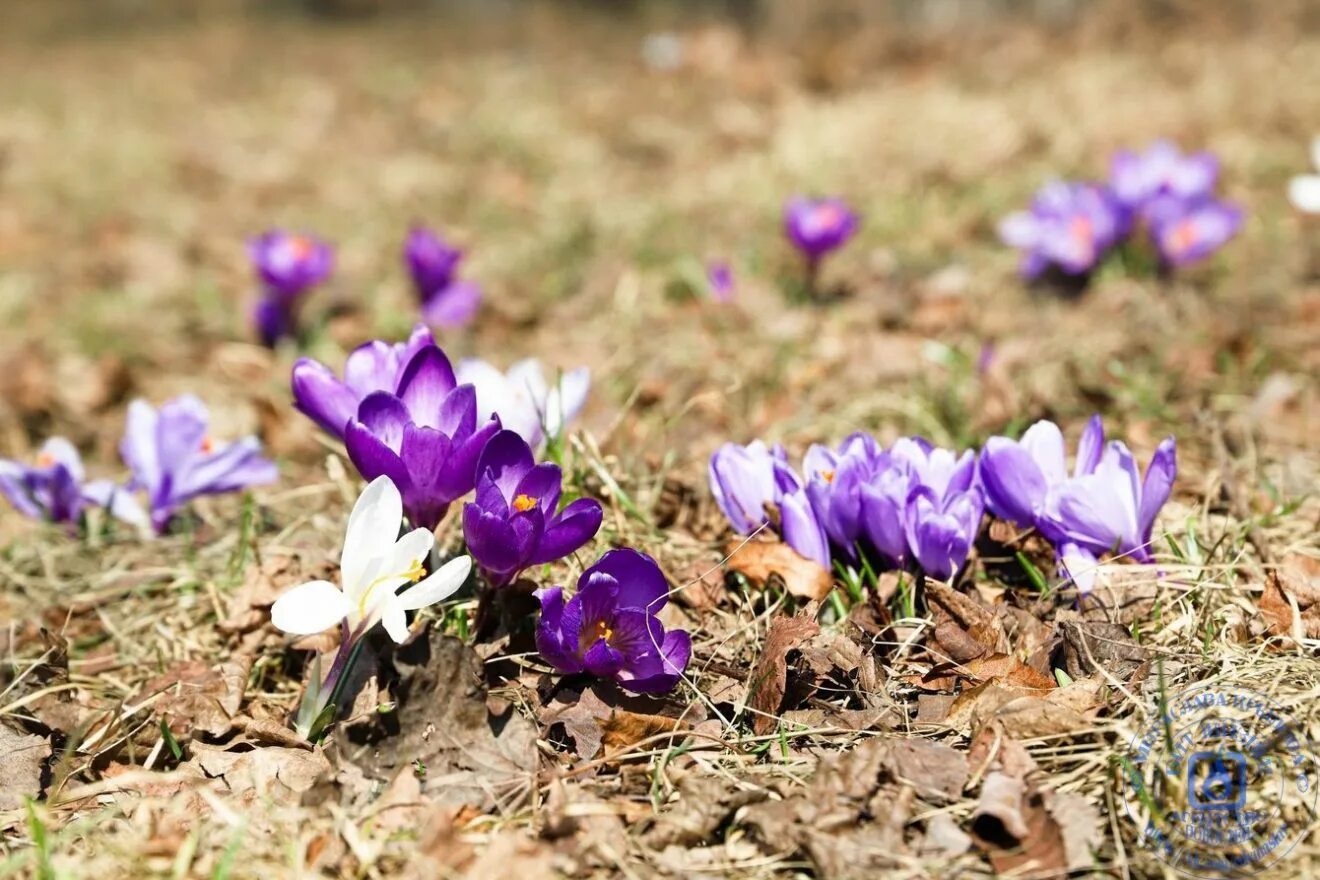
column 760, row 561
column 22, row 757
column 283, row 774
column 769, row 678
column 603, row 715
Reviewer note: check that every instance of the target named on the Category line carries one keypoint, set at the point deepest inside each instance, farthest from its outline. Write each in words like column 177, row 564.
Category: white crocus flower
column 374, row 565
column 525, row 402
column 1304, row 190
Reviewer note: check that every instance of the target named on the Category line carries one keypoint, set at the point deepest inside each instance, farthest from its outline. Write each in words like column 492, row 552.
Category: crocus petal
column 555, row 641
column 118, row 500
column 1079, row 564
column 322, row 397
column 601, row 660
column 802, row 531
column 640, row 581
column 236, row 466
column 440, row 585
column 453, row 305
column 393, row 618
column 574, row 527
column 493, row 393
column 426, row 381
column 1043, row 441
column 1304, row 193
column 372, row 457
column 542, row 483
column 492, row 541
column 181, row 429
column 1157, row 486
column 507, row 459
column 1090, row 447
column 62, row 452
column 138, row 447
column 566, row 400
column 309, row 608
column 657, row 673
column 385, row 416
column 12, row 487
column 1014, row 485
column 373, row 524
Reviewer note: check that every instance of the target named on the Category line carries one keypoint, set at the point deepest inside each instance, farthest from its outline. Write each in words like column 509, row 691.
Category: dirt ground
column 590, row 188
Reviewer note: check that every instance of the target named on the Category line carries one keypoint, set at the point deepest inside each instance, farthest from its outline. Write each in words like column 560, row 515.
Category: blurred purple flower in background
column 818, row 226
column 610, row 628
column 719, row 281
column 1069, row 227
column 54, row 488
column 375, row 366
column 515, row 521
column 446, row 301
column 174, row 460
column 1185, row 231
column 287, row 266
column 424, row 436
column 1161, row 171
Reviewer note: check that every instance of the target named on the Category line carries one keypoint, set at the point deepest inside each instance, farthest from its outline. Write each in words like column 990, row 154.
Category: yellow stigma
column 300, row 246
column 1185, row 236
column 524, row 503
column 45, row 460
column 827, row 476
column 207, row 446
column 412, row 575
column 603, row 631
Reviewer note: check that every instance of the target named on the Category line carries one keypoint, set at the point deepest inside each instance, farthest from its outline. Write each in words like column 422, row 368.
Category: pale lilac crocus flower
column 522, row 398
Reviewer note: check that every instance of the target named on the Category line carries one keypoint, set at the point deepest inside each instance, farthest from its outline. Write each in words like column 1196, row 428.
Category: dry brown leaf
column 1290, row 603
column 194, row 697
column 604, row 715
column 22, row 757
column 1093, row 647
column 964, row 628
column 270, row 771
column 443, row 728
column 769, row 679
column 759, row 561
column 1015, row 830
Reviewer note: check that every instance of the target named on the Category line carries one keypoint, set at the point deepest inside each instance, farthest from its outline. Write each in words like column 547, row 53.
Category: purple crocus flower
column 884, row 498
column 375, row 366
column 745, row 480
column 834, row 485
column 719, row 281
column 1161, row 171
column 941, row 529
column 287, row 266
column 432, row 262
column 515, row 521
column 941, row 470
column 424, row 437
column 173, row 458
column 610, row 629
column 1069, row 227
column 53, row 488
column 1112, row 509
column 818, row 226
column 1021, row 477
column 1186, row 231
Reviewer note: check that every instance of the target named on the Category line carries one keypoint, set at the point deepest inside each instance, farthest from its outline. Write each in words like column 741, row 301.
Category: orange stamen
column 208, row 445
column 524, row 503
column 45, row 460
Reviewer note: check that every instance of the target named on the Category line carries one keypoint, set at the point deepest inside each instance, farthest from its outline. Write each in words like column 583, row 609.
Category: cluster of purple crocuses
column 1163, row 196
column 917, row 506
column 403, row 414
column 170, row 455
column 288, row 265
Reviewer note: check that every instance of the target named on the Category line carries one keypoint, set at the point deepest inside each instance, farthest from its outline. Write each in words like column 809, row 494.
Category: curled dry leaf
column 270, row 771
column 1032, row 832
column 1290, row 603
column 769, row 679
column 1097, row 648
column 759, row 561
